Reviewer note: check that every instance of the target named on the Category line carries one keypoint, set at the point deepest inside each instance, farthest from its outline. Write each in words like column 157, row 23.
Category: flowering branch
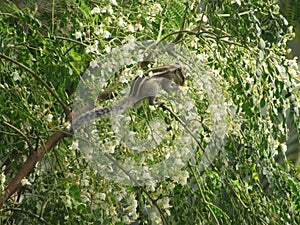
column 154, row 201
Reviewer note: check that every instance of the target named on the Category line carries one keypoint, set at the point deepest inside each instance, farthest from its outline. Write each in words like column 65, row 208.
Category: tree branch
column 30, row 163
column 22, row 134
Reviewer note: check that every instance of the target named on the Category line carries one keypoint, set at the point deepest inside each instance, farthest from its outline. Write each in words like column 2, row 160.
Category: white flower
column 98, row 31
column 78, row 35
column 110, row 10
column 142, row 1
column 130, row 40
column 171, row 186
column 189, row 105
column 139, row 73
column 183, row 178
column 284, row 147
column 84, row 198
column 94, row 64
column 126, row 220
column 155, row 218
column 95, row 10
column 132, row 204
column 157, row 8
column 96, row 46
column 106, row 34
column 127, row 47
column 200, row 57
column 112, row 210
column 88, row 49
column 164, row 203
column 150, row 18
column 107, row 49
column 130, row 28
column 114, row 2
column 237, row 2
column 139, row 27
column 24, row 181
column 67, row 125
column 285, row 22
column 123, row 80
column 49, row 118
column 2, row 178
column 92, row 48
column 121, row 22
column 102, row 196
column 16, row 75
column 151, row 184
column 74, row 145
column 104, row 10
column 67, row 201
column 134, row 216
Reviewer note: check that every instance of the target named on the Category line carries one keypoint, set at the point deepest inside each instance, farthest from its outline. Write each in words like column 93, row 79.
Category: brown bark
column 30, row 163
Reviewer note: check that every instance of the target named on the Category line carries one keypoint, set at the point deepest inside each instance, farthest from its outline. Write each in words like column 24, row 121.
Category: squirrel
column 142, row 88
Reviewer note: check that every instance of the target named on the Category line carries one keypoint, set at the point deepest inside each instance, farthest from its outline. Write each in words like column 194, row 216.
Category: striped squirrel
column 144, row 87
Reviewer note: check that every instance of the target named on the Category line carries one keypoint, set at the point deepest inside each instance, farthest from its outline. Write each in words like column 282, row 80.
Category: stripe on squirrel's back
column 135, row 86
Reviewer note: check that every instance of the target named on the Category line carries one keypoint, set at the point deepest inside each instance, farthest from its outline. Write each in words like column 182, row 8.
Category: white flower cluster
column 2, row 181
column 93, row 48
column 164, row 203
column 110, row 17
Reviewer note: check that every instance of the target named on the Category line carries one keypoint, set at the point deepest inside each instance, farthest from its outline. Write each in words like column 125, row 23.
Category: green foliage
column 291, row 10
column 50, row 44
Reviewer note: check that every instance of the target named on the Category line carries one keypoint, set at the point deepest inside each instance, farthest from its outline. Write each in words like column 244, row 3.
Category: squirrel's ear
column 161, row 70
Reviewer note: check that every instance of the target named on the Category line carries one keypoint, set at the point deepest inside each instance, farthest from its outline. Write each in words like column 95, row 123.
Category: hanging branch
column 38, row 78
column 153, row 201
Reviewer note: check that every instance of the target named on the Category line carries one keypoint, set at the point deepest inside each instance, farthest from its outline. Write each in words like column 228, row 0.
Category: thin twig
column 124, row 6
column 52, row 15
column 22, row 134
column 69, row 39
column 29, row 213
column 196, row 33
column 179, row 36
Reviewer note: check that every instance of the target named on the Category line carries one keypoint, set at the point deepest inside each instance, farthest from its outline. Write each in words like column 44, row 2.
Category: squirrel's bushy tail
column 100, row 113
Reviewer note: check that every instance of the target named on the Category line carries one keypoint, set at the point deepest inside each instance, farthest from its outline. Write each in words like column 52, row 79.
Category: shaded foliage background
column 42, row 61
